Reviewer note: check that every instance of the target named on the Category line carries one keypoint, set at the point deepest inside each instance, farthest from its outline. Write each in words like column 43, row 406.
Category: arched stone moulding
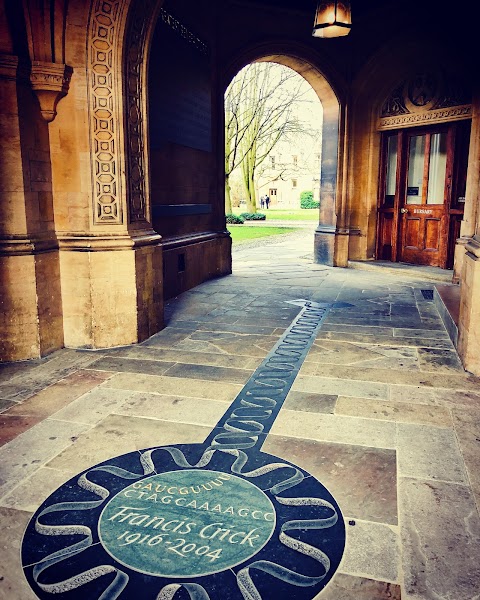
column 104, row 67
column 120, row 32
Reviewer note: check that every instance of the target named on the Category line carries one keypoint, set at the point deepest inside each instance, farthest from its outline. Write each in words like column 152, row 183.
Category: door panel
column 422, row 240
column 412, row 234
column 432, row 235
column 386, row 233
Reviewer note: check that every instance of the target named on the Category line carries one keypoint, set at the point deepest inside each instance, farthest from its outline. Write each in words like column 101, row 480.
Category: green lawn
column 242, row 233
column 278, row 214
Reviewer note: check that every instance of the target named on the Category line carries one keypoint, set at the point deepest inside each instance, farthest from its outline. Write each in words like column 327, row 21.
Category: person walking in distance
column 262, row 201
column 267, row 201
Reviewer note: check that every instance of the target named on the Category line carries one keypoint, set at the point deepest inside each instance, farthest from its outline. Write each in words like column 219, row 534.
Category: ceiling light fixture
column 332, row 19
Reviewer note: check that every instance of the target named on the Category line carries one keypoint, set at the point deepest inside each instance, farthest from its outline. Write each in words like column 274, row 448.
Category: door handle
column 404, row 210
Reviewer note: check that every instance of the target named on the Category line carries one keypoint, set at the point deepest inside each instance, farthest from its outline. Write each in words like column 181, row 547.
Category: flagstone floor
column 382, row 413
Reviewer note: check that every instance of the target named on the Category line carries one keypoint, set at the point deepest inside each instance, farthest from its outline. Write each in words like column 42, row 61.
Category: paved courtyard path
column 381, row 413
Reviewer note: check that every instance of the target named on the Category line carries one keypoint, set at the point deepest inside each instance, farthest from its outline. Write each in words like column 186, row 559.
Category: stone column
column 333, row 232
column 324, row 247
column 469, row 318
column 30, row 294
column 467, row 229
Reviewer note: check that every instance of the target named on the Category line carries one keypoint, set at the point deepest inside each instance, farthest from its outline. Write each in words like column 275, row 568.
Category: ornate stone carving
column 50, row 82
column 175, row 24
column 425, row 98
column 395, row 104
column 456, row 113
column 104, row 111
column 141, row 21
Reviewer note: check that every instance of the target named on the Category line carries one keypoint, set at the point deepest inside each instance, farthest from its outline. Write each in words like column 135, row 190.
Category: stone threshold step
column 447, row 300
column 413, row 271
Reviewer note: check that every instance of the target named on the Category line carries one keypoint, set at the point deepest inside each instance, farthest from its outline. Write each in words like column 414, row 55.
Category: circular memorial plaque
column 180, row 522
column 186, row 523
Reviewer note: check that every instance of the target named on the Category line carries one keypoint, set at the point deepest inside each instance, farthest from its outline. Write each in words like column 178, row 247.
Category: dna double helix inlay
column 220, row 520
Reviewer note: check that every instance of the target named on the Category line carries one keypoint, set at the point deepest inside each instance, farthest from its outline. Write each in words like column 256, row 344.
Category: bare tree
column 260, row 111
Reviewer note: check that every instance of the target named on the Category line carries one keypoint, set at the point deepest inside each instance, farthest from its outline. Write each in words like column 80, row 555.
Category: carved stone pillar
column 111, row 259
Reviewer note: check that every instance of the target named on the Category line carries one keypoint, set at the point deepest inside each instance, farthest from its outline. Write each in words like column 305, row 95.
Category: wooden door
column 425, row 200
column 422, row 189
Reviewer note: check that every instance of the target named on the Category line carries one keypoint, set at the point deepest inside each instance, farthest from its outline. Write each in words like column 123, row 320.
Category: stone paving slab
column 175, row 409
column 192, row 388
column 371, row 338
column 340, row 386
column 58, row 366
column 373, row 551
column 364, row 478
column 29, row 494
column 119, row 434
column 432, row 395
column 440, row 540
column 467, row 429
column 180, row 356
column 346, row 587
column 401, row 412
column 209, row 373
column 131, row 365
column 429, row 452
column 13, row 585
column 314, row 403
column 335, row 428
column 429, row 379
column 26, row 453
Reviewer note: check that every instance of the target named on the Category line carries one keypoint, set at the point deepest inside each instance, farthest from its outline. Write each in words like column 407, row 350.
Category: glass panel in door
column 437, row 168
column 416, row 163
column 391, row 172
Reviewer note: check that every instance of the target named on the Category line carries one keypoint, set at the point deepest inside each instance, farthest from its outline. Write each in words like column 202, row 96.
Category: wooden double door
column 422, row 193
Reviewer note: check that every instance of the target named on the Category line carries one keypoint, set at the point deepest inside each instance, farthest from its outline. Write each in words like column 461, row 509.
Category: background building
column 291, row 170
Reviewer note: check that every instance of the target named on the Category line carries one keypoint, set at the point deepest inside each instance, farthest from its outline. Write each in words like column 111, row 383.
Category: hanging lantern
column 332, row 19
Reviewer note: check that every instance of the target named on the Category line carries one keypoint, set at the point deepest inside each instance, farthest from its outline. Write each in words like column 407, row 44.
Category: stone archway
column 331, row 93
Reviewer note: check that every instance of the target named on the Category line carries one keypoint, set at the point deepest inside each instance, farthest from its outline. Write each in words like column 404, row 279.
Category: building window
column 273, row 192
column 272, row 161
column 295, row 160
column 294, row 183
